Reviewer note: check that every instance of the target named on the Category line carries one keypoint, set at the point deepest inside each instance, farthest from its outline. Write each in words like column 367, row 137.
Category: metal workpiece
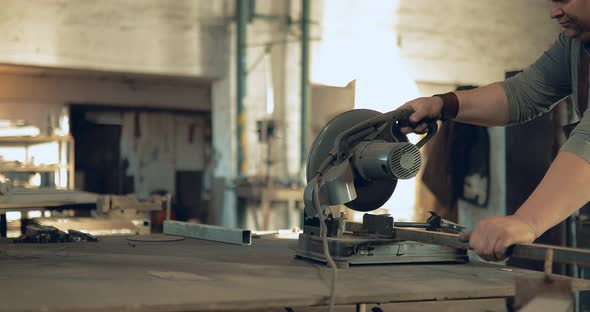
column 560, row 254
column 523, row 251
column 208, row 232
column 430, row 237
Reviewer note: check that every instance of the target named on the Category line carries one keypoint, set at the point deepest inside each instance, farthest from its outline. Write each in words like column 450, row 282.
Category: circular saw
column 356, row 160
column 359, row 156
column 379, row 156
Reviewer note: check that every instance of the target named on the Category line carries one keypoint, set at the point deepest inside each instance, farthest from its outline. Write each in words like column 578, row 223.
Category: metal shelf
column 30, row 168
column 35, row 139
column 65, row 150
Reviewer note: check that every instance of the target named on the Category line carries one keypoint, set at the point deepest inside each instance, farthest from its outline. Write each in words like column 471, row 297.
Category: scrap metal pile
column 37, row 233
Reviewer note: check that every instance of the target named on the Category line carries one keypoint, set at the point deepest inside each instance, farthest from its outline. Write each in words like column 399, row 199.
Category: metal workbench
column 40, row 199
column 194, row 275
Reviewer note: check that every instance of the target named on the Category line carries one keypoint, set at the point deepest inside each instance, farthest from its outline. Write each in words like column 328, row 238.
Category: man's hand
column 424, row 108
column 492, row 236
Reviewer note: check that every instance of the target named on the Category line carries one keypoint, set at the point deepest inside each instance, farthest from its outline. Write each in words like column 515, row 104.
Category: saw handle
column 432, row 126
column 432, row 129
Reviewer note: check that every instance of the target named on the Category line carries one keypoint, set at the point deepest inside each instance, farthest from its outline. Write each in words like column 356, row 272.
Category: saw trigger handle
column 432, row 129
column 432, row 126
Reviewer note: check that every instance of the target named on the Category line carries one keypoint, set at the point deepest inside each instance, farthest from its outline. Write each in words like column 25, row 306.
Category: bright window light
column 20, row 131
column 34, row 214
column 35, row 180
column 13, row 216
column 359, row 42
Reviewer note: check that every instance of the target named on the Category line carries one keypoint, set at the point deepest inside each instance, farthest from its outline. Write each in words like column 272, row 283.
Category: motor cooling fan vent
column 405, row 161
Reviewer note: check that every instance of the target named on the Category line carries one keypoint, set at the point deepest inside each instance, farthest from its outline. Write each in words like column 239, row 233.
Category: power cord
column 324, row 235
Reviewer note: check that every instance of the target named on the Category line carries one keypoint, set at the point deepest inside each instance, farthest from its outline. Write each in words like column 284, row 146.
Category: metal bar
column 572, row 241
column 241, row 22
column 560, row 254
column 168, row 206
column 524, row 251
column 305, row 12
column 208, row 232
column 251, row 10
column 72, row 164
column 430, row 237
column 411, row 225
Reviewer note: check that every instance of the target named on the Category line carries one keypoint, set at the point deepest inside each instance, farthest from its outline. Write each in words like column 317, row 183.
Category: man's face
column 573, row 16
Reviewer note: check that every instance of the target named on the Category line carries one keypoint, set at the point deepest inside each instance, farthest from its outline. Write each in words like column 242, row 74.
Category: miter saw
column 356, row 161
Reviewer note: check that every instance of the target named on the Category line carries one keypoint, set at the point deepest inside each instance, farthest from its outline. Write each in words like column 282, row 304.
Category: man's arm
column 515, row 100
column 485, row 106
column 563, row 190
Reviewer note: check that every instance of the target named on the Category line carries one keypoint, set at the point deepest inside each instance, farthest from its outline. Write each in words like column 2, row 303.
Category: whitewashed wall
column 472, row 42
column 175, row 37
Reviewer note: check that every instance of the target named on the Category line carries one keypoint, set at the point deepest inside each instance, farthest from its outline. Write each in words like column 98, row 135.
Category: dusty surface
column 116, row 274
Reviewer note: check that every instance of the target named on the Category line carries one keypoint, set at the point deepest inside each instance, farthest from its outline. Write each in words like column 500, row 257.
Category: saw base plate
column 353, row 250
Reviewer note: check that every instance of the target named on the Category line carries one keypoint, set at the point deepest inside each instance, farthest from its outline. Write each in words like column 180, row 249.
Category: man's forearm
column 563, row 190
column 485, row 106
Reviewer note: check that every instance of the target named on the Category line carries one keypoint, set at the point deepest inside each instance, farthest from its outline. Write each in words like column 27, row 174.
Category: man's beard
column 577, row 30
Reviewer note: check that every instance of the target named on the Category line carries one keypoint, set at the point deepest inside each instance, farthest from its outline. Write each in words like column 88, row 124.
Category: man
column 561, row 71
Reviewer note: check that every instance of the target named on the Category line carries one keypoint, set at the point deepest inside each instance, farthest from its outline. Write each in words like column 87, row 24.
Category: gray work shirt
column 542, row 85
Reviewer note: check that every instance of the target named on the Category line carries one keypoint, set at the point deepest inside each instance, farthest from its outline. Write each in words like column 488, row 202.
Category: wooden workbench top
column 116, row 274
